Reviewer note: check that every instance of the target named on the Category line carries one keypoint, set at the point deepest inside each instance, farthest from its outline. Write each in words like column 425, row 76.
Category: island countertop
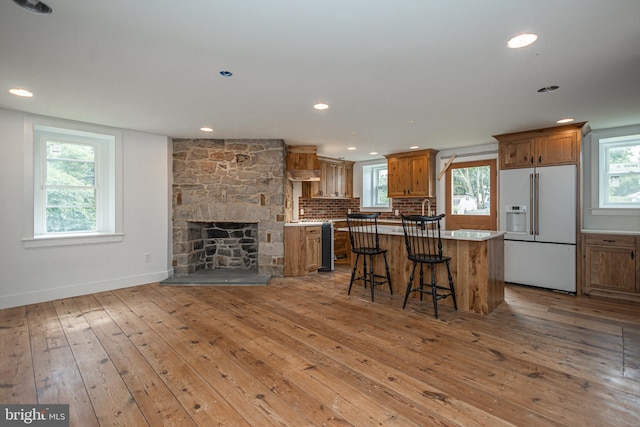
column 473, row 235
column 477, row 266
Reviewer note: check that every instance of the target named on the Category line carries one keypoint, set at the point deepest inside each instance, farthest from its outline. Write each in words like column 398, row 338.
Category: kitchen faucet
column 428, row 202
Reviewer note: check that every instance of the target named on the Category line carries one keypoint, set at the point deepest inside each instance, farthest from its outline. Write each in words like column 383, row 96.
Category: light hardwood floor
column 301, row 352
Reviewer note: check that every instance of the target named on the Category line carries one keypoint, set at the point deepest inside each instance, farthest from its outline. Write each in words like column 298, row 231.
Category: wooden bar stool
column 424, row 246
column 363, row 234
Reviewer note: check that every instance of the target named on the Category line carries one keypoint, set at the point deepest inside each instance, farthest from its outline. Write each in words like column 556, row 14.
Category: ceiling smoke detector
column 34, row 6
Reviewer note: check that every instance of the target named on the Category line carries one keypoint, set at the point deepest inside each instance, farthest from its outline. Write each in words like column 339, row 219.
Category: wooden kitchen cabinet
column 558, row 145
column 341, row 244
column 336, row 180
column 611, row 267
column 411, row 174
column 302, row 249
column 313, row 248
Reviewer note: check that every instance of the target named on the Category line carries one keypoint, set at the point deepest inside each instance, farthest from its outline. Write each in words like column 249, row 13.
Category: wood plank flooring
column 300, row 352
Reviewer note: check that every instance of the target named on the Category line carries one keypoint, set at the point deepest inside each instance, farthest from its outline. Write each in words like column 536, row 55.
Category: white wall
column 30, row 275
column 592, row 217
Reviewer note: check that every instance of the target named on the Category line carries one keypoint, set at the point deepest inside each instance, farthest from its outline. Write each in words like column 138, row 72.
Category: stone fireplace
column 229, row 205
column 221, row 245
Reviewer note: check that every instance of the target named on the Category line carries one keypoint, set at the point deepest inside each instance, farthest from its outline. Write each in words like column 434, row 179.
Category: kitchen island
column 477, row 266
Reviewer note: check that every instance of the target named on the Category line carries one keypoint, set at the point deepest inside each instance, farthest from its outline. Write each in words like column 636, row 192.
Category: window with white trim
column 74, row 182
column 619, row 159
column 374, row 186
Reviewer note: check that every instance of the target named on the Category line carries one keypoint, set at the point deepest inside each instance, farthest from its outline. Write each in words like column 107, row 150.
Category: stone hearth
column 229, row 181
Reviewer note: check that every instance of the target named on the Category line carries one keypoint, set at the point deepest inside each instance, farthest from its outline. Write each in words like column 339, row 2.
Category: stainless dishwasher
column 328, row 256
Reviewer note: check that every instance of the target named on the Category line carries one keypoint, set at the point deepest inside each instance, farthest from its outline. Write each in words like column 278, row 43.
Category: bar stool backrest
column 363, row 232
column 422, row 238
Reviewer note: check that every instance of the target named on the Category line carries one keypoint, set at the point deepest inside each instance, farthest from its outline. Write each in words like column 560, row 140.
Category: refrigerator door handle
column 537, row 203
column 531, row 212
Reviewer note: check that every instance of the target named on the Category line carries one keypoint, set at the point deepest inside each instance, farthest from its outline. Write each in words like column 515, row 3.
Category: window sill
column 72, row 239
column 375, row 209
column 615, row 211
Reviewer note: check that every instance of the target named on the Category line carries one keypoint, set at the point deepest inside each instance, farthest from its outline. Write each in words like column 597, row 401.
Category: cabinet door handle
column 633, row 255
column 539, row 159
column 608, row 240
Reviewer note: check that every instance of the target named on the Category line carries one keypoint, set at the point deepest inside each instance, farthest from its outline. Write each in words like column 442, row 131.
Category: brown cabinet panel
column 313, row 248
column 615, row 240
column 559, row 145
column 611, row 265
column 341, row 243
column 399, row 178
column 302, row 250
column 411, row 174
column 336, row 180
column 557, row 149
column 420, row 176
column 516, row 154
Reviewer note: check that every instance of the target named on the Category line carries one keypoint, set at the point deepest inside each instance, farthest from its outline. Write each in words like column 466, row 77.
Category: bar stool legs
column 433, row 287
column 368, row 275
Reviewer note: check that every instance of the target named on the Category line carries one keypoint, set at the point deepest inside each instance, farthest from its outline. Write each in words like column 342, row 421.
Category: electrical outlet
column 349, row 211
column 147, row 257
column 397, row 212
column 301, row 211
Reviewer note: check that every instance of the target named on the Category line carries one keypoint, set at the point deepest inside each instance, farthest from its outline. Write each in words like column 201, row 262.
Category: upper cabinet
column 336, row 180
column 412, row 174
column 558, row 145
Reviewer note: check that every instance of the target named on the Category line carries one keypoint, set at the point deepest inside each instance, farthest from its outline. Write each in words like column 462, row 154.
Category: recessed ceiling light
column 351, row 148
column 565, row 120
column 206, row 129
column 548, row 89
column 373, row 153
column 225, row 73
column 414, row 147
column 34, row 6
column 321, row 106
column 410, row 122
column 522, row 40
column 21, row 92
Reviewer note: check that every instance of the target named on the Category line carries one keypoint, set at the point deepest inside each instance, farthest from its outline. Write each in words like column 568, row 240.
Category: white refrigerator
column 538, row 214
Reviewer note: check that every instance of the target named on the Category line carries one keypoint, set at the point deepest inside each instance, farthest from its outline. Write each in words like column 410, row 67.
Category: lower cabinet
column 341, row 244
column 611, row 266
column 302, row 249
column 313, row 248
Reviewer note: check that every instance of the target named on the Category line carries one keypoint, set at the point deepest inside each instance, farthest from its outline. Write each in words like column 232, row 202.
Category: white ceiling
column 433, row 73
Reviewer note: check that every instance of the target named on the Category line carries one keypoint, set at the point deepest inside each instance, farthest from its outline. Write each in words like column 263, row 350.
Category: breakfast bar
column 477, row 266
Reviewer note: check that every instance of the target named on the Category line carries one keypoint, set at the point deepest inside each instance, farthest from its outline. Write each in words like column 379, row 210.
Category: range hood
column 302, row 163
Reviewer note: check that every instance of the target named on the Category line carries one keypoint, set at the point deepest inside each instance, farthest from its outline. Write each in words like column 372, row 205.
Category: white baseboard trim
column 44, row 295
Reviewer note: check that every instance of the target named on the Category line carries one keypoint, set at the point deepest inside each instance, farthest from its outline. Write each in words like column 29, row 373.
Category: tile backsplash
column 338, row 208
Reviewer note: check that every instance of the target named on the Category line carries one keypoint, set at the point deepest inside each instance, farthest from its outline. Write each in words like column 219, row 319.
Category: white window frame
column 369, row 190
column 108, row 143
column 604, row 144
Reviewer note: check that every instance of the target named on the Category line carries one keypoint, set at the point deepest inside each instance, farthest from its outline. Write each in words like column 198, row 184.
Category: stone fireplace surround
column 234, row 182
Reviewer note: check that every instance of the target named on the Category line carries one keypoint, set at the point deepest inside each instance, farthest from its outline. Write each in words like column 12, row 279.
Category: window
column 620, row 172
column 74, row 182
column 471, row 195
column 374, row 186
